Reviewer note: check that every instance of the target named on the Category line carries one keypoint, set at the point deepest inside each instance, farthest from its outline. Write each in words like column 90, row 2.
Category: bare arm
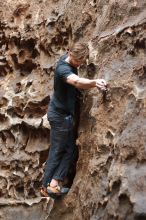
column 84, row 83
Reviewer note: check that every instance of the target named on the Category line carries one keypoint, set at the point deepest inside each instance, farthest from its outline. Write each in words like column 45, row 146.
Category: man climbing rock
column 61, row 117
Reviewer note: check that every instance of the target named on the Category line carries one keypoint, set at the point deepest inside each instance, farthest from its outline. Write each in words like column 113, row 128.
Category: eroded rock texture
column 110, row 182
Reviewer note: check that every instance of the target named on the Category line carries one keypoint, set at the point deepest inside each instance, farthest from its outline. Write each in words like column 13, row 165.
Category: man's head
column 78, row 53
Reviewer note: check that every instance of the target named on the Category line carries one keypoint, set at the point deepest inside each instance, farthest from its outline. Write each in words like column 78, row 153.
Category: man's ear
column 69, row 55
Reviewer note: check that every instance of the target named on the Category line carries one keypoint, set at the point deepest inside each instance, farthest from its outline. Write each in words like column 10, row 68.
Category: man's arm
column 84, row 83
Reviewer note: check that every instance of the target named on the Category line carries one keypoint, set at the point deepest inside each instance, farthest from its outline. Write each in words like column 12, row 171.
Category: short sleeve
column 63, row 72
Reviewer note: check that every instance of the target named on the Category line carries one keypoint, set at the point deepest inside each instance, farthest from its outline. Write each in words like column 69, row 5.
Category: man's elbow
column 77, row 84
column 74, row 83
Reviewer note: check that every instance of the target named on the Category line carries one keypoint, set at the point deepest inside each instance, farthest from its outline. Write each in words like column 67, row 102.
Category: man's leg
column 72, row 169
column 67, row 158
column 55, row 153
column 58, row 138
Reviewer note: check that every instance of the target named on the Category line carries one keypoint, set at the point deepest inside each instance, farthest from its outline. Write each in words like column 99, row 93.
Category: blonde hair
column 79, row 50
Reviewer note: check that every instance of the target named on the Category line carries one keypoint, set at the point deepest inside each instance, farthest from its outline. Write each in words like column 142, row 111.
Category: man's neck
column 68, row 59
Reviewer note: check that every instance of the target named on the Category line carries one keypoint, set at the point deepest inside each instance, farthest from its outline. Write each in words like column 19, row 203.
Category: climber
column 61, row 117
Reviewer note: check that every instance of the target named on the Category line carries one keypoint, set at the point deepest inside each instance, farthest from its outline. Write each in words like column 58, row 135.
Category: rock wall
column 110, row 179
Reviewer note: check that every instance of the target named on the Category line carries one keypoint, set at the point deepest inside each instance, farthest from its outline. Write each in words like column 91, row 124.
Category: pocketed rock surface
column 110, row 182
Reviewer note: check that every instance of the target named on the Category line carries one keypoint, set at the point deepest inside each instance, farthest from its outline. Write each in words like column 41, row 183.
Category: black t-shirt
column 64, row 97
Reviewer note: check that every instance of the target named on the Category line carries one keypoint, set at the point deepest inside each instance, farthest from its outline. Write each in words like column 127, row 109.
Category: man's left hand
column 101, row 84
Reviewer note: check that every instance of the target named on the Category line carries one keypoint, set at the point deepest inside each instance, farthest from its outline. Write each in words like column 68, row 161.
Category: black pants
column 62, row 150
